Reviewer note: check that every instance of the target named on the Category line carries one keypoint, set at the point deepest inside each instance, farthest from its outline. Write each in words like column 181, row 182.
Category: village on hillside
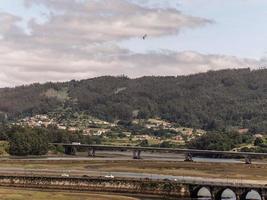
column 117, row 133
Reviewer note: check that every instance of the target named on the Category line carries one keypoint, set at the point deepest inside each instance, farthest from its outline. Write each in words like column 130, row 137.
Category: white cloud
column 46, row 66
column 79, row 40
column 79, row 22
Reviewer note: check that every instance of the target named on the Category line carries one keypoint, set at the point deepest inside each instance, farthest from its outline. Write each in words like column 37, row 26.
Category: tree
column 38, row 142
column 166, row 144
column 258, row 141
column 143, row 114
column 19, row 144
column 28, row 141
column 144, row 143
column 222, row 141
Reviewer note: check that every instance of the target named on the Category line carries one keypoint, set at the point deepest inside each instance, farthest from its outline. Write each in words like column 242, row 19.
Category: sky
column 60, row 40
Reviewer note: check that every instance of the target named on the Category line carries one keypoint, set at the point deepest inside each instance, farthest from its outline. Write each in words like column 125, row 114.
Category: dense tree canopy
column 212, row 100
column 25, row 141
column 221, row 141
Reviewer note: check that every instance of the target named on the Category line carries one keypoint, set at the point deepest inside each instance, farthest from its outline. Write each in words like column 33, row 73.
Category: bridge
column 71, row 149
column 180, row 189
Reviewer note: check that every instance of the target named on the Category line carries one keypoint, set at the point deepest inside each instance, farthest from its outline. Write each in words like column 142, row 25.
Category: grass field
column 15, row 194
column 213, row 170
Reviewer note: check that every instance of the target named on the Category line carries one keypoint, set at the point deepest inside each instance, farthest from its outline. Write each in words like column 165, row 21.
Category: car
column 65, row 175
column 76, row 143
column 109, row 176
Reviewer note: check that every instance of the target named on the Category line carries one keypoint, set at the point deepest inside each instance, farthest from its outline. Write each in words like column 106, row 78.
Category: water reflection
column 228, row 194
column 204, row 194
column 253, row 195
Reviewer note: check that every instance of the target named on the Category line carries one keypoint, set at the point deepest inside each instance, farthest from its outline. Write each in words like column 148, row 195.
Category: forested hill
column 212, row 100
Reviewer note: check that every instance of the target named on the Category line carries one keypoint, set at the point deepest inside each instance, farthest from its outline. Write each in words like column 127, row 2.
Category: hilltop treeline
column 212, row 101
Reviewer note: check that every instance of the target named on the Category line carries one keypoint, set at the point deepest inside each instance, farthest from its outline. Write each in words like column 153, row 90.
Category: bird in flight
column 144, row 36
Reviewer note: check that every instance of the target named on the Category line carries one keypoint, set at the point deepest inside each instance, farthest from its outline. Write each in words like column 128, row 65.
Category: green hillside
column 212, row 100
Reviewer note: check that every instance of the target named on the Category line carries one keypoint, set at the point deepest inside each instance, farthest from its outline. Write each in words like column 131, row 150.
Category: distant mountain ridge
column 212, row 100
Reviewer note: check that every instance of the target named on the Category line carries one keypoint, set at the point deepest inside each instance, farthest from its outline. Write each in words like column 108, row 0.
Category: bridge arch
column 200, row 192
column 204, row 193
column 227, row 194
column 252, row 195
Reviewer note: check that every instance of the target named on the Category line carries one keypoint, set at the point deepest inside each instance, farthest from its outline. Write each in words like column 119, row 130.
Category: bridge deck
column 170, row 150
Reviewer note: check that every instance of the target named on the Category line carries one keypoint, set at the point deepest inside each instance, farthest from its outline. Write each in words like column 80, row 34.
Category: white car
column 65, row 175
column 76, row 143
column 109, row 176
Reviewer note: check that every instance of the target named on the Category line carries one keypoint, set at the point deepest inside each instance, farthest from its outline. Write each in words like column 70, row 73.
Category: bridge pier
column 240, row 194
column 213, row 193
column 91, row 152
column 139, row 154
column 188, row 157
column 69, row 150
column 136, row 154
column 248, row 160
column 263, row 195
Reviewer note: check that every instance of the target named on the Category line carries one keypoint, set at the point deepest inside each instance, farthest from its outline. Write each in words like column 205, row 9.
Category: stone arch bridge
column 177, row 189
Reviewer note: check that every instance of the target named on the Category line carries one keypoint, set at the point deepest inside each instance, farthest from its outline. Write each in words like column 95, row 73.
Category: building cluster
column 36, row 121
column 46, row 121
column 183, row 133
column 96, row 127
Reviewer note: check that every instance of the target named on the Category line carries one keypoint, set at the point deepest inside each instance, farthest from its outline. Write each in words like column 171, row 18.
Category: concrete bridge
column 168, row 188
column 71, row 148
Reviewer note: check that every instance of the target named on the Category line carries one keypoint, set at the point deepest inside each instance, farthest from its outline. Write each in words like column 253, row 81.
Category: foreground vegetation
column 23, row 141
column 17, row 194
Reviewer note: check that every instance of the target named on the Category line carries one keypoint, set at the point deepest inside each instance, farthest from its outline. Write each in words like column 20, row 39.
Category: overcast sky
column 59, row 40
